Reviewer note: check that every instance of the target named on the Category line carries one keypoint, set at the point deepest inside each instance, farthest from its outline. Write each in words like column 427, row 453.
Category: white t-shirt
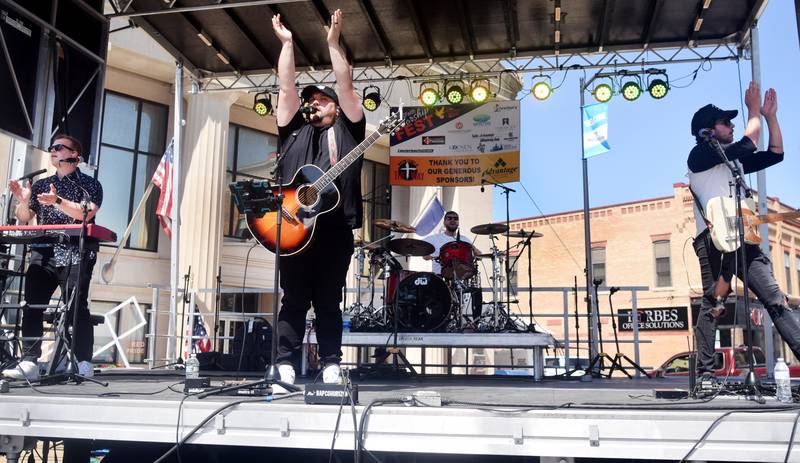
column 438, row 240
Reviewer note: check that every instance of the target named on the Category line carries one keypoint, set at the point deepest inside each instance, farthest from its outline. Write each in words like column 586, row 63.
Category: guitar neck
column 772, row 217
column 328, row 177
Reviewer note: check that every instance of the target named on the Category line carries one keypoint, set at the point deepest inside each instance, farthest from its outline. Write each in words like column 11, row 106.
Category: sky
column 650, row 139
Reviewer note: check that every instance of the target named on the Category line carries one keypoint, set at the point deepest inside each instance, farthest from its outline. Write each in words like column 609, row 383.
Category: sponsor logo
column 433, row 140
column 462, row 148
column 459, row 125
column 505, row 121
column 482, row 147
column 481, row 119
column 499, row 163
column 501, row 107
column 407, row 170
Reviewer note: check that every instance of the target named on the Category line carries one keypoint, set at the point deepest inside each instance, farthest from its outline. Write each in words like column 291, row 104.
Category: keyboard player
column 57, row 199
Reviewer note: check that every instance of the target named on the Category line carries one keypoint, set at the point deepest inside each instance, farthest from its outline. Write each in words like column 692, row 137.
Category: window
column 663, row 273
column 797, row 267
column 248, row 151
column 377, row 196
column 787, row 264
column 132, row 141
column 599, row 264
column 135, row 344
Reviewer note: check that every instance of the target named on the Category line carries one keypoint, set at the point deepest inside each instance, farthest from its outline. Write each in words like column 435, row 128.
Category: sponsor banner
column 595, row 130
column 456, row 145
column 656, row 319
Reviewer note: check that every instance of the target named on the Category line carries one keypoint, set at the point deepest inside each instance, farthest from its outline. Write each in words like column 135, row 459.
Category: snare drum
column 457, row 260
column 423, row 303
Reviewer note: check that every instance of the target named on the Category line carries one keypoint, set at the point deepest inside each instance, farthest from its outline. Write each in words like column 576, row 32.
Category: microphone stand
column 751, row 381
column 506, row 192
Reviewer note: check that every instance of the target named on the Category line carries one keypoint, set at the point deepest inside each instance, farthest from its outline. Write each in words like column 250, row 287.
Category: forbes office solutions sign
column 656, row 319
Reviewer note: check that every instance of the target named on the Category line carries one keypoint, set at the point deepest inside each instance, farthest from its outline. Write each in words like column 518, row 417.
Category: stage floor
column 480, row 415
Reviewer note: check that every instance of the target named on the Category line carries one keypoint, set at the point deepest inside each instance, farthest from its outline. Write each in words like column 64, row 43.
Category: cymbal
column 411, row 247
column 393, row 225
column 522, row 234
column 489, row 228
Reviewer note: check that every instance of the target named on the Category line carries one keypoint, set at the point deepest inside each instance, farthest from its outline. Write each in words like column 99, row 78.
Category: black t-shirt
column 304, row 144
column 704, row 156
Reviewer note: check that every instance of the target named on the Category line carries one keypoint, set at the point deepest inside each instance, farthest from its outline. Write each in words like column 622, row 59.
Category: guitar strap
column 332, row 150
column 700, row 207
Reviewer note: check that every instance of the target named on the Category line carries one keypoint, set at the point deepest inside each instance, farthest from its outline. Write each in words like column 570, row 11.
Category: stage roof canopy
column 391, row 32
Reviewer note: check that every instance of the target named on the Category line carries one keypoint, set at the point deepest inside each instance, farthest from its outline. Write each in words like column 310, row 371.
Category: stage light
column 631, row 90
column 262, row 104
column 658, row 88
column 454, row 92
column 429, row 94
column 542, row 90
column 603, row 93
column 371, row 100
column 479, row 91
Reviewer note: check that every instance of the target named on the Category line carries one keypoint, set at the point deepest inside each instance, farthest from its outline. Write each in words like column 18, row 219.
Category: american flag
column 162, row 178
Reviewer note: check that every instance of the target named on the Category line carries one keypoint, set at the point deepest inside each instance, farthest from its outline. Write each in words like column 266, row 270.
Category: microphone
column 30, row 175
column 613, row 289
column 706, row 134
column 70, row 160
column 308, row 109
column 597, row 281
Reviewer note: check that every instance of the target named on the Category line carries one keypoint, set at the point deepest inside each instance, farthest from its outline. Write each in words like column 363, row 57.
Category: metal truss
column 468, row 68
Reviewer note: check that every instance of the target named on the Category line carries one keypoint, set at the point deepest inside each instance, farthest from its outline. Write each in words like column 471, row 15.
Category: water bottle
column 192, row 367
column 783, row 385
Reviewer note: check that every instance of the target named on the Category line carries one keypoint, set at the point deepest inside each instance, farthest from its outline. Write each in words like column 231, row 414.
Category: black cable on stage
column 212, row 415
column 348, row 389
column 791, row 438
column 363, row 423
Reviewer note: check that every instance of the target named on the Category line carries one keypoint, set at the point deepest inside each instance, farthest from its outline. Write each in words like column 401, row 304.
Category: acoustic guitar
column 721, row 214
column 310, row 194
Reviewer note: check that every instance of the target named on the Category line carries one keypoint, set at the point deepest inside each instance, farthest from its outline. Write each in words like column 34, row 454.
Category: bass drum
column 423, row 302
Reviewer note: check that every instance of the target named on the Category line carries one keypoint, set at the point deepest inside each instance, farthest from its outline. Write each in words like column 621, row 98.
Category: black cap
column 706, row 116
column 312, row 89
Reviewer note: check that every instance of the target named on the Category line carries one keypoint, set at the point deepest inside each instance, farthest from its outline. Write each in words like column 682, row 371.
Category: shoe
column 85, row 369
column 287, row 375
column 25, row 369
column 332, row 374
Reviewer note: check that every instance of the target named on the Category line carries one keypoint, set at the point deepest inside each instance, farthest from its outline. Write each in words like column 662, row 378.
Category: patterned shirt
column 71, row 187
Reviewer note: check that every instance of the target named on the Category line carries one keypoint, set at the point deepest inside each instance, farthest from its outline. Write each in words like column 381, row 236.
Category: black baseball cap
column 312, row 89
column 706, row 116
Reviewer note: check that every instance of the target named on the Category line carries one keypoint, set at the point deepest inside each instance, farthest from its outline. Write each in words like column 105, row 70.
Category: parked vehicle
column 727, row 362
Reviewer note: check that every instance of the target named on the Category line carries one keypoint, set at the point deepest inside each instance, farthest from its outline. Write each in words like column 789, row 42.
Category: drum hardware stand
column 527, row 244
column 616, row 364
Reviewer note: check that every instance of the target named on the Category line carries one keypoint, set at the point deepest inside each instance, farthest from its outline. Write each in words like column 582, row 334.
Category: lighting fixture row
column 455, row 92
column 632, row 88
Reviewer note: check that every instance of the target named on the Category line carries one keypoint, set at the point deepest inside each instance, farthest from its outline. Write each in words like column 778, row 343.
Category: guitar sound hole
column 307, row 195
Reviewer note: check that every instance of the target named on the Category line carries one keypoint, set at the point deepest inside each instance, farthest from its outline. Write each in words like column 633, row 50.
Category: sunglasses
column 59, row 147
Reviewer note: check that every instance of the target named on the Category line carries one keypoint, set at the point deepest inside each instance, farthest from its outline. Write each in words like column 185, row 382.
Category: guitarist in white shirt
column 318, row 127
column 709, row 177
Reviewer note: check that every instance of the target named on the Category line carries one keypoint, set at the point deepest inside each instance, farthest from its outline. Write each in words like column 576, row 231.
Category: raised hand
column 770, row 107
column 21, row 192
column 49, row 197
column 335, row 30
column 752, row 97
column 283, row 34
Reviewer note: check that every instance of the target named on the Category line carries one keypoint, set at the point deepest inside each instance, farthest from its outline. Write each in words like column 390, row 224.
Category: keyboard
column 61, row 233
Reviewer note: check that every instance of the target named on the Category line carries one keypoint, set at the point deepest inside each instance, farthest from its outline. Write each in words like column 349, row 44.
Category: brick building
column 641, row 243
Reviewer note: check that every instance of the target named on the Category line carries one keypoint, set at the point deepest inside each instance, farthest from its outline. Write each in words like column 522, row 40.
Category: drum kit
column 423, row 301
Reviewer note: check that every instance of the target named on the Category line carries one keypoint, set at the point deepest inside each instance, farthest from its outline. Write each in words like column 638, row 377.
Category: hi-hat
column 411, row 247
column 489, row 229
column 393, row 225
column 523, row 234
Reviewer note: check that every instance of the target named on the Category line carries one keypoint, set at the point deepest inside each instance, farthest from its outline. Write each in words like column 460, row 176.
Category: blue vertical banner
column 595, row 130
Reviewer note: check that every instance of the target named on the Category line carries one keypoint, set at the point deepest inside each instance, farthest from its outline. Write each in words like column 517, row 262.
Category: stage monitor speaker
column 57, row 50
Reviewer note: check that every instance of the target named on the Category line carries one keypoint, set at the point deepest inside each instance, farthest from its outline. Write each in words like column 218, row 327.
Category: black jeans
column 761, row 280
column 41, row 280
column 315, row 277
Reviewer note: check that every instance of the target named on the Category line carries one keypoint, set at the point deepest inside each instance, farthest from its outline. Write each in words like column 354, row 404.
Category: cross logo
column 407, row 170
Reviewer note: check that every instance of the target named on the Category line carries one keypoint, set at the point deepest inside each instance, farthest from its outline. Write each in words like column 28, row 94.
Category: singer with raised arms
column 320, row 126
column 710, row 181
column 59, row 199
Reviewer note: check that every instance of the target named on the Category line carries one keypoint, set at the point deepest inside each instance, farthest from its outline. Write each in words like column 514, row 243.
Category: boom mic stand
column 601, row 356
column 618, row 356
column 751, row 381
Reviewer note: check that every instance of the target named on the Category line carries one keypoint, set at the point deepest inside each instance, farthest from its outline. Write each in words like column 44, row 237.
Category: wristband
column 58, row 200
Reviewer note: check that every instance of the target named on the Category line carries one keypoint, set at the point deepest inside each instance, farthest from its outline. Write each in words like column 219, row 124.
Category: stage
column 480, row 415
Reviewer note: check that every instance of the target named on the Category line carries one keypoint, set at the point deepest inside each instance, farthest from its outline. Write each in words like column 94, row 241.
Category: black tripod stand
column 600, row 358
column 619, row 357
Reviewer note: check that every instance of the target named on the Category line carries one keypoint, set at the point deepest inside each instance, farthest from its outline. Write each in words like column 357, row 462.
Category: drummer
column 451, row 233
